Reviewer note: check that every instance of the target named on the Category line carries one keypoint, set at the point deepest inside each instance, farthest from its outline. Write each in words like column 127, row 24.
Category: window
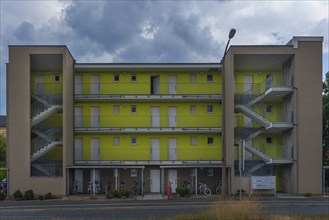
column 210, row 140
column 56, row 78
column 116, row 109
column 192, row 77
column 268, row 108
column 210, row 172
column 209, row 78
column 116, row 78
column 116, row 141
column 133, row 172
column 209, row 109
column 133, row 109
column 133, row 77
column 192, row 109
column 193, row 140
column 133, row 141
column 269, row 140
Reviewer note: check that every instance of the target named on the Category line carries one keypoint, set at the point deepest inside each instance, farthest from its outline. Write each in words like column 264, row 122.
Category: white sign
column 263, row 182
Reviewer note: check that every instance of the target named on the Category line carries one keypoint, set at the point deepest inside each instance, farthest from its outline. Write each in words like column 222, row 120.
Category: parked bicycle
column 187, row 185
column 75, row 187
column 3, row 186
column 136, row 189
column 219, row 187
column 122, row 186
column 204, row 189
column 91, row 187
column 108, row 187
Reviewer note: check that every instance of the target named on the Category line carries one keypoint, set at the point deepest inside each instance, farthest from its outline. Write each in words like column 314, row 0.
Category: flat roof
column 142, row 66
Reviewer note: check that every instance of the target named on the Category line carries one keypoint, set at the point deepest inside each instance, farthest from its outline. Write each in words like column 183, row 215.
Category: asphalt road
column 133, row 209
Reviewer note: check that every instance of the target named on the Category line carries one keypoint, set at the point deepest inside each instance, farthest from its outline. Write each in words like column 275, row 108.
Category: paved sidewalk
column 153, row 196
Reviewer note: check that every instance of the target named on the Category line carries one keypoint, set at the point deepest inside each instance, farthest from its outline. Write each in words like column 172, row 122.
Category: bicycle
column 219, row 186
column 187, row 185
column 108, row 187
column 90, row 188
column 204, row 189
column 3, row 186
column 97, row 187
column 75, row 187
column 122, row 186
column 136, row 189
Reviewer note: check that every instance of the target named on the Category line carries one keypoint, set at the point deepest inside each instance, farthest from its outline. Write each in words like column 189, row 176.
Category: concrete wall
column 18, row 113
column 308, row 116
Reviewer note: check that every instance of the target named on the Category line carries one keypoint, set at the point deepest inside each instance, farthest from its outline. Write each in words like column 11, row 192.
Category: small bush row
column 2, row 196
column 29, row 195
column 123, row 193
column 183, row 192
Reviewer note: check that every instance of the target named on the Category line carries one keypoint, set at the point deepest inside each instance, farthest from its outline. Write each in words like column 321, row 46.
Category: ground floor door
column 172, row 178
column 155, row 181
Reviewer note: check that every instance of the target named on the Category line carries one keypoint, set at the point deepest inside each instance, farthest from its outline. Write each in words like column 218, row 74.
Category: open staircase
column 243, row 104
column 46, row 139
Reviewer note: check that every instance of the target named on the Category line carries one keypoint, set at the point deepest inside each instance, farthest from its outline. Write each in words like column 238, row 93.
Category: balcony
column 273, row 89
column 146, row 124
column 105, row 92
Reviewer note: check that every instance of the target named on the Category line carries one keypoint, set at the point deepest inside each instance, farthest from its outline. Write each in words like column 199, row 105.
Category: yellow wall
column 141, row 151
column 273, row 150
column 142, row 118
column 143, row 83
column 259, row 78
column 56, row 154
column 50, row 87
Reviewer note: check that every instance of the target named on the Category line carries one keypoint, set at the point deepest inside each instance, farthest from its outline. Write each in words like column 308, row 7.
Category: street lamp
column 224, row 177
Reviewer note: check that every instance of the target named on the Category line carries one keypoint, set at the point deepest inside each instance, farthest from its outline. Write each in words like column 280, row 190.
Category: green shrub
column 183, row 192
column 124, row 193
column 109, row 195
column 18, row 195
column 48, row 196
column 2, row 196
column 40, row 197
column 115, row 193
column 307, row 194
column 29, row 195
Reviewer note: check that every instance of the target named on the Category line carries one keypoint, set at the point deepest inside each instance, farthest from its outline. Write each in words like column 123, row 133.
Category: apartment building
column 160, row 123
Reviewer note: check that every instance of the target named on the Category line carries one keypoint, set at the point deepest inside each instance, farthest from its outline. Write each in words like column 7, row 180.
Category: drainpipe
column 142, row 181
column 196, row 181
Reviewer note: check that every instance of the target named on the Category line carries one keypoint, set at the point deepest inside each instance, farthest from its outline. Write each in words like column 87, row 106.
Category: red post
column 169, row 190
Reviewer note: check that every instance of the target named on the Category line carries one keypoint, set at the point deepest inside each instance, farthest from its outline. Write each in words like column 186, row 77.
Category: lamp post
column 224, row 176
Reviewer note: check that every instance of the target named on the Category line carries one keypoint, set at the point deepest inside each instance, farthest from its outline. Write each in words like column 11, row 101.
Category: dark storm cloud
column 118, row 28
column 25, row 32
column 111, row 24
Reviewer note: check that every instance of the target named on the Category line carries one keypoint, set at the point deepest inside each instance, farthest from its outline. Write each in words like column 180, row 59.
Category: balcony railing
column 134, row 88
column 51, row 135
column 148, row 121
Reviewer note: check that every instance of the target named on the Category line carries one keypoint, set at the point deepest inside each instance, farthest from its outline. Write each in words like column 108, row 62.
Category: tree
column 325, row 121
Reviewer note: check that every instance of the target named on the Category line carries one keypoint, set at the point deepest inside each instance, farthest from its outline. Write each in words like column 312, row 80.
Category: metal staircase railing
column 45, row 142
column 244, row 104
column 44, row 106
column 253, row 115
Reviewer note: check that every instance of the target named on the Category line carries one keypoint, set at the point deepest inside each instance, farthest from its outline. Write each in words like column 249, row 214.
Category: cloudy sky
column 156, row 31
